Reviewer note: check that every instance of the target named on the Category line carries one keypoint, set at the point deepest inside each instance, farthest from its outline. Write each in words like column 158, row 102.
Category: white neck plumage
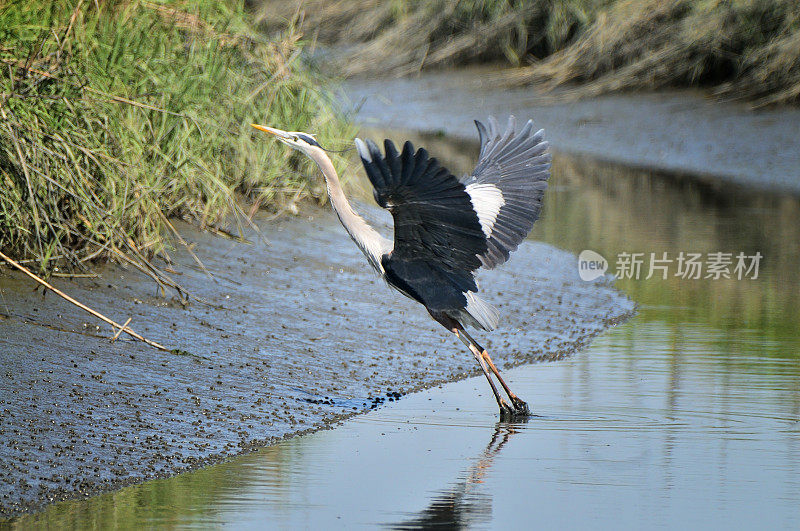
column 372, row 244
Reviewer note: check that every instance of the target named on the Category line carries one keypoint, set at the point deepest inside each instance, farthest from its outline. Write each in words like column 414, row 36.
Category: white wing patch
column 487, row 199
column 363, row 152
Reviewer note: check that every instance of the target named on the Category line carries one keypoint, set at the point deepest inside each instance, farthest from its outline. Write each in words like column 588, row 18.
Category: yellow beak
column 271, row 130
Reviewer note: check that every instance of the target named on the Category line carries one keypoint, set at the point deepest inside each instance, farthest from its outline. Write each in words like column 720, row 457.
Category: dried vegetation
column 747, row 49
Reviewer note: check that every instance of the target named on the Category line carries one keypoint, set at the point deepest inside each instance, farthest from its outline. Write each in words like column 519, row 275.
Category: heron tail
column 479, row 313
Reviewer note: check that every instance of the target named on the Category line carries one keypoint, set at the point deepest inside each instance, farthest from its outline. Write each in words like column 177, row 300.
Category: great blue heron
column 445, row 227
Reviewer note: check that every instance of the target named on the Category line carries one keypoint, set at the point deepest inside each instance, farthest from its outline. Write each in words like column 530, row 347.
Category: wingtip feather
column 363, row 151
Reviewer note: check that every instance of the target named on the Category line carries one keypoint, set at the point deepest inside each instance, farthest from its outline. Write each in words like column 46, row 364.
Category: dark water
column 686, row 416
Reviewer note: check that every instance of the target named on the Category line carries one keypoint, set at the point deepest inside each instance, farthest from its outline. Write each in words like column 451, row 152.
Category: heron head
column 296, row 139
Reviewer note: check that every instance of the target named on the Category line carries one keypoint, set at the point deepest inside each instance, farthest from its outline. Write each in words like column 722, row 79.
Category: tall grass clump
column 116, row 116
column 747, row 49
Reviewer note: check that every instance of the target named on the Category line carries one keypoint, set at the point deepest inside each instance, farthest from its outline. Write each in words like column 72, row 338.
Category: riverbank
column 688, row 411
column 737, row 49
column 295, row 334
column 290, row 340
column 683, row 132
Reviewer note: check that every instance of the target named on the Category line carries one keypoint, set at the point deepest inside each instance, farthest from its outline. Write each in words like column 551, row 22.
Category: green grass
column 116, row 116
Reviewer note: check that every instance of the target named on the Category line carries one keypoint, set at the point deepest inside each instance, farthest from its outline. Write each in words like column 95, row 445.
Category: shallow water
column 687, row 415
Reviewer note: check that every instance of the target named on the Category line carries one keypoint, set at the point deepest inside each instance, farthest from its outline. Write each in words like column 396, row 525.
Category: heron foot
column 520, row 406
column 518, row 409
column 506, row 411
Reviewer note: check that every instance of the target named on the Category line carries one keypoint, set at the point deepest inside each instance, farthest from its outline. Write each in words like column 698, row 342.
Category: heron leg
column 505, row 409
column 520, row 406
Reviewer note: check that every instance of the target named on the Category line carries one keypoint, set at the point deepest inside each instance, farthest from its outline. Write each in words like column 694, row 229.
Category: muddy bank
column 296, row 335
column 675, row 131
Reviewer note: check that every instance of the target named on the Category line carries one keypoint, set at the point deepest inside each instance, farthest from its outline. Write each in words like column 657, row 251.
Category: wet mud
column 296, row 334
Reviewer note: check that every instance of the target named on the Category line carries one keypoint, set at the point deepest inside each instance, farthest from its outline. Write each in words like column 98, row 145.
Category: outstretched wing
column 507, row 186
column 434, row 220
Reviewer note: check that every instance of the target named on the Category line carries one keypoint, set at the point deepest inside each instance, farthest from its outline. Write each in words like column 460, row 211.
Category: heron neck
column 372, row 244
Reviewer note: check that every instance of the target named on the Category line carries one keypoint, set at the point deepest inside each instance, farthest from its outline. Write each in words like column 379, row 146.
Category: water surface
column 643, row 429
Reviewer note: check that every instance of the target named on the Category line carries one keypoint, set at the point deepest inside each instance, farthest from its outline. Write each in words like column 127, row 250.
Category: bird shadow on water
column 465, row 503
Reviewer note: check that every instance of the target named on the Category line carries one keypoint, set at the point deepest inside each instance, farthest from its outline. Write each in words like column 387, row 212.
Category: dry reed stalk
column 122, row 328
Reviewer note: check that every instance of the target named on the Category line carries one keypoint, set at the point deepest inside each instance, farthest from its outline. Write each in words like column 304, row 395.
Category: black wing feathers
column 433, row 216
column 429, row 284
column 445, row 228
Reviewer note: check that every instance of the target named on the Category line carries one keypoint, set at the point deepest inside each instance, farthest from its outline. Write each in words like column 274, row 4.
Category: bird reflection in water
column 464, row 504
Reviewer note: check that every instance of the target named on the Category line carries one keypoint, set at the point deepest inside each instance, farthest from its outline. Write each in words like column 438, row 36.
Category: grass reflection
column 188, row 497
column 612, row 209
